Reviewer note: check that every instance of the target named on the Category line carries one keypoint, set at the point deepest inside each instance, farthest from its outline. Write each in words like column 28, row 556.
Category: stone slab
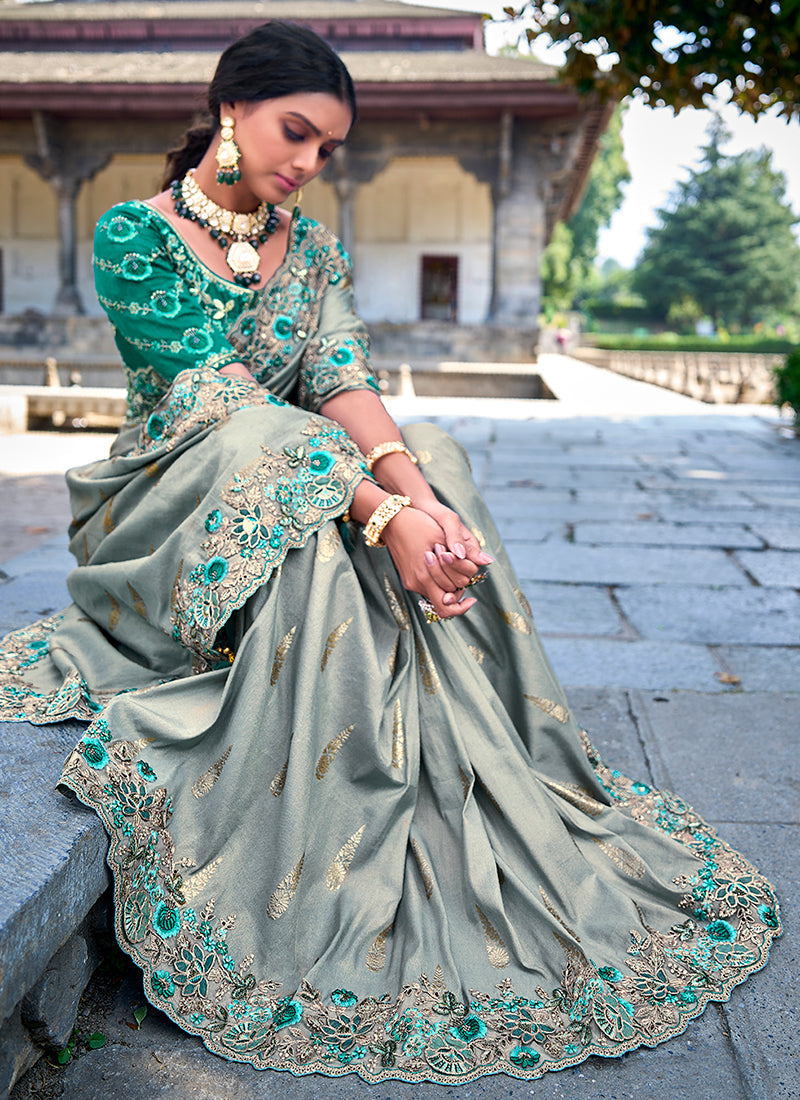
column 605, row 714
column 773, row 568
column 691, row 613
column 648, row 533
column 764, row 1014
column 574, row 609
column 732, row 756
column 765, row 668
column 599, row 662
column 616, row 566
column 778, row 536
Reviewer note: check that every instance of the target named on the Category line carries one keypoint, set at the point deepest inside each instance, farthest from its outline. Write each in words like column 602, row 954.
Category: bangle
column 394, row 446
column 373, row 528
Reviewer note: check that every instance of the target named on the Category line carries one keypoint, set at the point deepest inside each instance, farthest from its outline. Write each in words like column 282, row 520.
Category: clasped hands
column 435, row 555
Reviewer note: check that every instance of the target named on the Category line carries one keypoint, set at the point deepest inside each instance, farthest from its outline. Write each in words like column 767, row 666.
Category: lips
column 287, row 182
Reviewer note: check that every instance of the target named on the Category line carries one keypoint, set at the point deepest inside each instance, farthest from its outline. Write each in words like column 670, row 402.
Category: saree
column 342, row 838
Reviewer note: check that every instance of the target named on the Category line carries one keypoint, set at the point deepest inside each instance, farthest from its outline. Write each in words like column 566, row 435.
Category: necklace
column 248, row 230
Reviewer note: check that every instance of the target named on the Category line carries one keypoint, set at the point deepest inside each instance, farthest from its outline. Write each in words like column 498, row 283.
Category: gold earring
column 227, row 153
column 297, row 200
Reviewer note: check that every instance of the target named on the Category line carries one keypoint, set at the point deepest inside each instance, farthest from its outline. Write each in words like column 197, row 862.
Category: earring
column 297, row 199
column 227, row 154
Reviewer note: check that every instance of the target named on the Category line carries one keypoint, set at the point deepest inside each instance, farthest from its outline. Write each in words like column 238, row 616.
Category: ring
column 429, row 612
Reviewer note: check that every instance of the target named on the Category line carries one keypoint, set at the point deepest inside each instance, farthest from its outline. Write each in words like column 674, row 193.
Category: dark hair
column 275, row 59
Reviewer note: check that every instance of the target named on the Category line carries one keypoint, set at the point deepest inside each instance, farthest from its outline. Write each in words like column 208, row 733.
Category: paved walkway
column 658, row 540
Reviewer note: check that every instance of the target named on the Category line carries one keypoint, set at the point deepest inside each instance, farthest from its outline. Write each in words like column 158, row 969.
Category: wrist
column 380, row 519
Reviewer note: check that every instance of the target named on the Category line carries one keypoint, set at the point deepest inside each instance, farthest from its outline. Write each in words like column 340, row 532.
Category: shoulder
column 321, row 247
column 126, row 225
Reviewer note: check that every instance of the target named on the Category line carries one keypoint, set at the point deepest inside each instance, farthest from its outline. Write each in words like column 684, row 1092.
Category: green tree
column 724, row 240
column 677, row 54
column 569, row 258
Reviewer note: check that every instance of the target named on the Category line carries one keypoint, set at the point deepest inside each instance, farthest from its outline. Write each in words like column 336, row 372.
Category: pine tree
column 724, row 240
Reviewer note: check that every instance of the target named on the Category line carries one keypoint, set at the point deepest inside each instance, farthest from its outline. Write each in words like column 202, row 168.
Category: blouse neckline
column 290, row 248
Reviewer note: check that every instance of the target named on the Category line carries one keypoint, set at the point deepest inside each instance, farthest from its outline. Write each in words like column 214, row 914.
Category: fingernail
column 430, row 557
column 448, row 597
column 447, row 558
column 467, row 604
column 439, row 548
column 485, row 559
column 459, row 550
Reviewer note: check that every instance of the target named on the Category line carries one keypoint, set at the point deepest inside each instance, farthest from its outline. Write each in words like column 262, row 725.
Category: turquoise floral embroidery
column 524, row 1057
column 215, row 571
column 135, row 267
column 196, row 341
column 155, row 426
column 721, row 931
column 287, row 1012
column 163, row 984
column 610, row 974
column 344, row 998
column 121, row 229
column 471, row 1027
column 166, row 920
column 166, row 302
column 93, row 752
column 213, row 520
column 282, row 327
column 768, row 915
column 145, row 771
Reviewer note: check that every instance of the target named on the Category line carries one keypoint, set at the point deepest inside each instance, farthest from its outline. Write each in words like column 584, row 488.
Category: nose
column 304, row 161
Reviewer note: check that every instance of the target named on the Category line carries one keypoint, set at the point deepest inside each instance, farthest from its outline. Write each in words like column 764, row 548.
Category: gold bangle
column 394, row 446
column 373, row 528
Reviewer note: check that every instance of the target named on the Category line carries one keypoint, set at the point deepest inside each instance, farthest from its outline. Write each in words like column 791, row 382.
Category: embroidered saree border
column 427, row 1033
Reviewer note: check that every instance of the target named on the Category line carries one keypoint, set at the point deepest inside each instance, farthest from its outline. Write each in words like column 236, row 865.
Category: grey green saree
column 343, row 839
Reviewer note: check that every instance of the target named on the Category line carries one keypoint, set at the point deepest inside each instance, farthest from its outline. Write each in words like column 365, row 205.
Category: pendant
column 242, row 258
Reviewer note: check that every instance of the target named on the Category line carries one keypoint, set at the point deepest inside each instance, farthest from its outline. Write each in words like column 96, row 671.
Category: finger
column 438, row 575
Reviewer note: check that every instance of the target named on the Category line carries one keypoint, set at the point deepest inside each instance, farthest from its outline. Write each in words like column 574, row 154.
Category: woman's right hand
column 411, row 537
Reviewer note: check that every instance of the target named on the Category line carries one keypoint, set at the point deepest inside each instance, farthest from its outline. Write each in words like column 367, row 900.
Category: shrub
column 787, row 385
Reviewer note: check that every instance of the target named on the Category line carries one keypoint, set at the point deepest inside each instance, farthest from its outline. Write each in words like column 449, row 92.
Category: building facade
column 445, row 195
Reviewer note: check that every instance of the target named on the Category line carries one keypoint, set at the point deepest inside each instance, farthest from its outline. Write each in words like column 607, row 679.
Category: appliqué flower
column 524, row 1057
column 155, row 426
column 320, row 461
column 471, row 1027
column 287, row 1012
column 163, row 983
column 768, row 916
column 192, row 970
column 721, row 931
column 135, row 268
column 215, row 570
column 166, row 920
column 344, row 998
column 145, row 771
column 93, row 752
column 165, row 303
column 120, row 229
column 282, row 327
column 640, row 788
column 342, row 356
column 213, row 520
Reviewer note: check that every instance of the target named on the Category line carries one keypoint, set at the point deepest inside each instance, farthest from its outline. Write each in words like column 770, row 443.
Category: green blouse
column 299, row 334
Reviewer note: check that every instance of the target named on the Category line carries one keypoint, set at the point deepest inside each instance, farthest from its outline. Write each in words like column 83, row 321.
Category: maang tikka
column 227, row 153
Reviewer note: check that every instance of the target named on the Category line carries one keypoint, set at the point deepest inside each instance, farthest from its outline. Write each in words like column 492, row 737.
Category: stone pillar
column 66, row 164
column 346, row 190
column 517, row 231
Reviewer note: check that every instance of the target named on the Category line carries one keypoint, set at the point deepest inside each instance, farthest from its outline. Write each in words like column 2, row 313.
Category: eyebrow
column 317, row 131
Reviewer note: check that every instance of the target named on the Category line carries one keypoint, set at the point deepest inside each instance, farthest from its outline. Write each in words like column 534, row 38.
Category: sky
column 660, row 147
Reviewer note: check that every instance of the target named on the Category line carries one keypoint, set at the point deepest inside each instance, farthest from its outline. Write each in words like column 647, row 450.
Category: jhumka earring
column 297, row 199
column 227, row 154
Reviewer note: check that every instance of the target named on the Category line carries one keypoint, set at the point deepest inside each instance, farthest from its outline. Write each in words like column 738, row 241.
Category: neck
column 237, row 197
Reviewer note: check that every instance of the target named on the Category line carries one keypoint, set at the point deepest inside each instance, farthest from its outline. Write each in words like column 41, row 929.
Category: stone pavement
column 658, row 541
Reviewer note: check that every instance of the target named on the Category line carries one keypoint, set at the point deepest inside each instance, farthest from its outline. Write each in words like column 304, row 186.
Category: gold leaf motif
column 197, row 496
column 376, row 956
column 577, row 796
column 173, row 599
column 328, row 545
column 393, row 655
column 331, row 750
column 192, row 886
column 551, row 909
column 337, row 872
column 479, row 536
column 285, row 891
column 427, row 670
column 424, row 869
column 280, row 654
column 334, row 638
column 555, row 710
column 277, row 784
column 523, row 601
column 151, row 470
column 203, row 785
column 140, row 742
column 396, row 604
column 477, row 653
column 138, row 602
column 423, row 457
column 514, row 620
column 495, row 948
column 108, row 521
column 630, row 864
column 398, row 737
column 438, row 983
column 489, row 795
column 114, row 613
column 466, row 781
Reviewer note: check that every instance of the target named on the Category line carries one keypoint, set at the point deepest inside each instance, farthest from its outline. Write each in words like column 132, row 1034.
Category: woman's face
column 285, row 142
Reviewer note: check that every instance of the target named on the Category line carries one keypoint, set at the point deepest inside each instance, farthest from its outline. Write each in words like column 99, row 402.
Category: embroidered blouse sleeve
column 336, row 358
column 157, row 297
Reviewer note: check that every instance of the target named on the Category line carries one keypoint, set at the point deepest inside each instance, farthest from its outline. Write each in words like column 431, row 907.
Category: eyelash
column 293, row 135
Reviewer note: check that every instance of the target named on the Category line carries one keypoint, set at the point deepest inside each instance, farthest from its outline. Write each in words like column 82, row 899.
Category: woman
column 351, row 829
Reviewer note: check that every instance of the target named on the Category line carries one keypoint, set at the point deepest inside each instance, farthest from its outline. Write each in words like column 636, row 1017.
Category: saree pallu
column 344, row 839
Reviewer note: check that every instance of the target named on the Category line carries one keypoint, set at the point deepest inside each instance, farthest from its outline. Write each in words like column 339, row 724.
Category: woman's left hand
column 459, row 542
